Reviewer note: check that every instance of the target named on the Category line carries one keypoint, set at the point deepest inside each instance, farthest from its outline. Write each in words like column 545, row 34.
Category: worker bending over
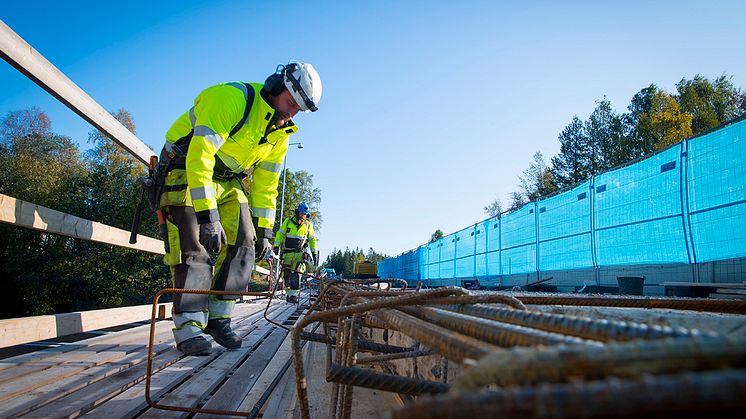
column 296, row 237
column 233, row 129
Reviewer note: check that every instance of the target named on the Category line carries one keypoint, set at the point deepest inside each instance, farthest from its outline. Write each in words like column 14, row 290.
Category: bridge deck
column 104, row 376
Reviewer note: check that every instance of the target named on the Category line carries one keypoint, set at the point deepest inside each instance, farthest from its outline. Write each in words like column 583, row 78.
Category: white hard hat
column 304, row 84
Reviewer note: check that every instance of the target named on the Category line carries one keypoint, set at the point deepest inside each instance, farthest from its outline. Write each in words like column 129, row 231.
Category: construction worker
column 295, row 237
column 233, row 129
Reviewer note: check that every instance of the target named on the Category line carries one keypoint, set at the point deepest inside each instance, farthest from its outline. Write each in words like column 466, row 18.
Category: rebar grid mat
column 583, row 354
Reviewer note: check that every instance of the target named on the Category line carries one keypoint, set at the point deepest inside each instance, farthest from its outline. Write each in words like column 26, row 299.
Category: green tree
column 640, row 141
column 665, row 123
column 299, row 188
column 537, row 180
column 571, row 165
column 70, row 274
column 709, row 103
column 494, row 209
column 437, row 235
column 517, row 201
column 605, row 132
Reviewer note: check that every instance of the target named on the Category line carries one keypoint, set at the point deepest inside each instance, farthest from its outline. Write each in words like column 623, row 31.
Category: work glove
column 212, row 236
column 262, row 249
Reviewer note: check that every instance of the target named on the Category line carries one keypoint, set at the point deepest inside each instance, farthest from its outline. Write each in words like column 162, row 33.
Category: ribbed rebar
column 707, row 394
column 491, row 331
column 718, row 306
column 450, row 344
column 481, row 297
column 365, row 345
column 584, row 327
column 528, row 366
column 388, row 357
column 393, row 383
column 412, row 298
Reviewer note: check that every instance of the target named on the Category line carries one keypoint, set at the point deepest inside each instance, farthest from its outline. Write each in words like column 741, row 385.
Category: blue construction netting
column 685, row 204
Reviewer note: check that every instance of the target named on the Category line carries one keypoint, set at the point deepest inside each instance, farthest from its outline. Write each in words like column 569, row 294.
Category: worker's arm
column 280, row 236
column 311, row 237
column 216, row 110
column 265, row 178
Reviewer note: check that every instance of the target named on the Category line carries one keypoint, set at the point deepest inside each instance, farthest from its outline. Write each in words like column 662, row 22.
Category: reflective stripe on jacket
column 258, row 144
column 294, row 236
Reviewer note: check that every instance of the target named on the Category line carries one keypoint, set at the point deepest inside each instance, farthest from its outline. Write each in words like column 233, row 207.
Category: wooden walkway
column 104, row 376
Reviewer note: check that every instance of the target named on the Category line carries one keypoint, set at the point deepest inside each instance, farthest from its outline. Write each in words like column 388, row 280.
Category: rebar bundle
column 517, row 361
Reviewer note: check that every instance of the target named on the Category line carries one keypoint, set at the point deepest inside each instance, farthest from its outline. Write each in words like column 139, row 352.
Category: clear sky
column 430, row 110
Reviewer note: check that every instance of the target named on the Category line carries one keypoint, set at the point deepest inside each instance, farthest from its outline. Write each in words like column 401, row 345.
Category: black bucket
column 630, row 285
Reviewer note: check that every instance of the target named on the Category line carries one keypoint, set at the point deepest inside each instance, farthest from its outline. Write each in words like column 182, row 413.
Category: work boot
column 196, row 346
column 291, row 299
column 220, row 330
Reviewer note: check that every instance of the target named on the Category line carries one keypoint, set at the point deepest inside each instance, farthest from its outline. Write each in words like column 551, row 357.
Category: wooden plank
column 25, row 214
column 81, row 399
column 31, row 329
column 28, row 61
column 193, row 391
column 262, row 382
column 282, row 402
column 37, row 355
column 89, row 397
column 130, row 400
column 38, row 379
column 27, row 368
column 38, row 397
column 230, row 393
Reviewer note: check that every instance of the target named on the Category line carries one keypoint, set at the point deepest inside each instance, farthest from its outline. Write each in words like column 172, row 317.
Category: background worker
column 232, row 128
column 294, row 237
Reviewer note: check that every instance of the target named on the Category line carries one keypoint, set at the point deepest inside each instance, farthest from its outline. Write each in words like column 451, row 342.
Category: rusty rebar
column 300, row 380
column 584, row 327
column 491, row 331
column 151, row 339
column 371, row 359
column 363, row 345
column 448, row 343
column 481, row 297
column 706, row 394
column 524, row 366
column 718, row 306
column 396, row 384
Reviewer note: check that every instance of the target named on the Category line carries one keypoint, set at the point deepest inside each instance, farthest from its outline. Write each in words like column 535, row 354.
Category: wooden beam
column 25, row 214
column 31, row 329
column 33, row 65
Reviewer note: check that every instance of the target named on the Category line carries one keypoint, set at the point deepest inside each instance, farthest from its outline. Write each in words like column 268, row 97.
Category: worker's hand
column 212, row 236
column 262, row 248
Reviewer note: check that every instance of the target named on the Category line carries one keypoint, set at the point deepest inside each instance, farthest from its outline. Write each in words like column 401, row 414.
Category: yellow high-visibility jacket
column 259, row 144
column 293, row 236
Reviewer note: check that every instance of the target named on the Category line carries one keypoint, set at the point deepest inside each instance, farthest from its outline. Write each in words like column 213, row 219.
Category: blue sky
column 430, row 109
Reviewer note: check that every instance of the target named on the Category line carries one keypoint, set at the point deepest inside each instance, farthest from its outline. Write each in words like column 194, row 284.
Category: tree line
column 343, row 261
column 46, row 273
column 654, row 120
